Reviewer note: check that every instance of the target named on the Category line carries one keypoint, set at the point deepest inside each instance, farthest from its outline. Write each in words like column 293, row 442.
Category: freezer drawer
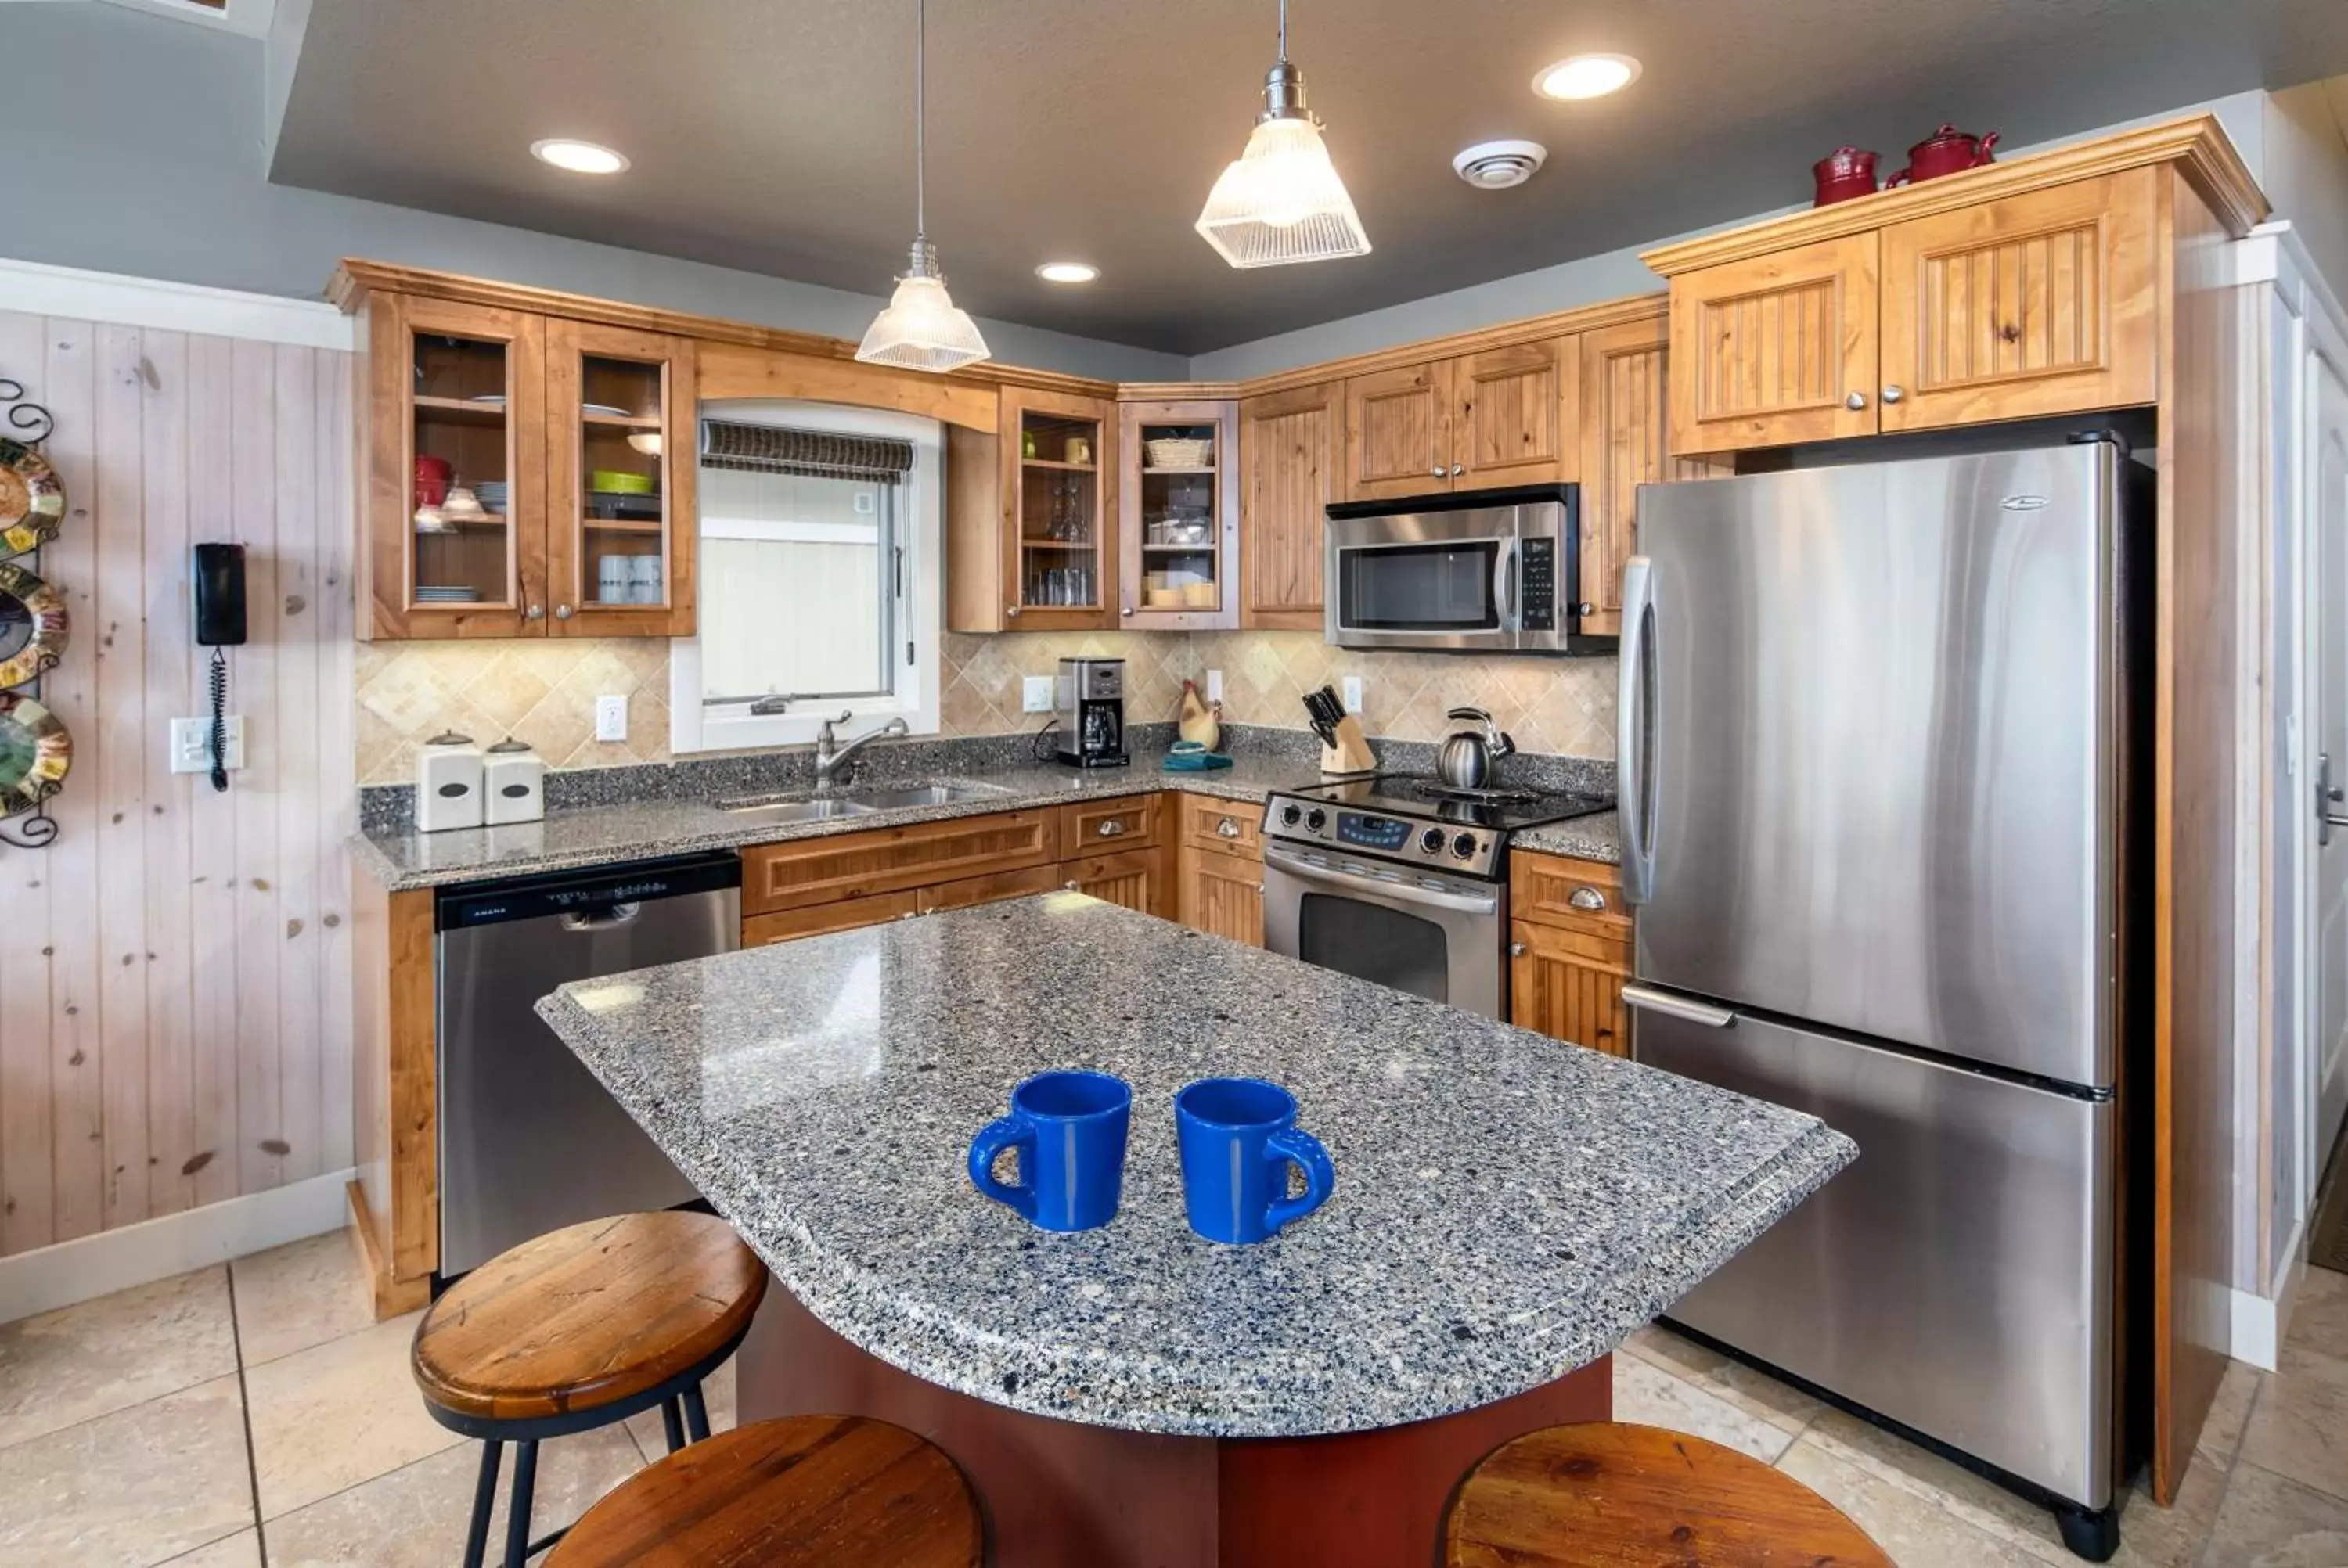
column 1957, row 1278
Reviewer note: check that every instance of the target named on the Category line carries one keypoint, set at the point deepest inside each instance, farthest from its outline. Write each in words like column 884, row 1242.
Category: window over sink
column 820, row 552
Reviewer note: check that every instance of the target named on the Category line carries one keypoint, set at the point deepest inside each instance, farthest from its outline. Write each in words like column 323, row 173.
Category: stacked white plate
column 428, row 593
column 492, row 494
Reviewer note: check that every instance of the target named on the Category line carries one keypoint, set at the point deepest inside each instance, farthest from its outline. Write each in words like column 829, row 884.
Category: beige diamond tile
column 2267, row 1520
column 114, row 1352
column 337, row 1414
column 408, row 694
column 299, row 1294
column 137, row 1487
column 2299, row 1426
column 647, row 724
column 505, row 689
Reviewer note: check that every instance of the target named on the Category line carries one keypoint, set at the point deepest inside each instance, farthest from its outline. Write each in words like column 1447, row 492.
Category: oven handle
column 1278, row 859
column 1632, row 789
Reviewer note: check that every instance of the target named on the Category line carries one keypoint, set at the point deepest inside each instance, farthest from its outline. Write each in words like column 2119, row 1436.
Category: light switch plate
column 1214, row 685
column 192, row 743
column 1035, row 693
column 611, row 718
column 1352, row 693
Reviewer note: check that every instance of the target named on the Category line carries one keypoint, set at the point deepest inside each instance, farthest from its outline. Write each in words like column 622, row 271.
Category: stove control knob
column 1464, row 847
column 1289, row 815
column 1316, row 819
column 1431, row 841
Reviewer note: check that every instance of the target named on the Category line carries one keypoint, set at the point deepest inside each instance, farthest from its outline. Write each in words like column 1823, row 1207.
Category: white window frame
column 921, row 514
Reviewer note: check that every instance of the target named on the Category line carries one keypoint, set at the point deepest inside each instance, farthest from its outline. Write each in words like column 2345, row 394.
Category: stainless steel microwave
column 1490, row 570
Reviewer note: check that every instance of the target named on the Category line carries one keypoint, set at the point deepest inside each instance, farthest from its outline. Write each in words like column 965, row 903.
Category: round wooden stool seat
column 587, row 1316
column 804, row 1491
column 1607, row 1494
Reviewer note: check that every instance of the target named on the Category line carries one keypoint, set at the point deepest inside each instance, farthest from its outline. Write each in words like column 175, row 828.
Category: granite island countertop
column 1508, row 1207
column 573, row 839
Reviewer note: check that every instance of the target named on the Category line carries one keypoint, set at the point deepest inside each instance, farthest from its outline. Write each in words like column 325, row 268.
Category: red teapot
column 1947, row 150
column 1849, row 171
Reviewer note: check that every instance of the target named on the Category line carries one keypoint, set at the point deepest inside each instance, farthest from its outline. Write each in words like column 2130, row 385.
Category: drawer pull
column 1073, row 885
column 1227, row 828
column 1586, row 898
column 1112, row 827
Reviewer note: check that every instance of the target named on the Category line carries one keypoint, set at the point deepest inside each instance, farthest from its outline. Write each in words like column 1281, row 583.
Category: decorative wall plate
column 34, row 753
column 32, row 499
column 32, row 625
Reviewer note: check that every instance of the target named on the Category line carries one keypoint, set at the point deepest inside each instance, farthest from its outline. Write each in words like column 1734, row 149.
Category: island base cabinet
column 1064, row 1494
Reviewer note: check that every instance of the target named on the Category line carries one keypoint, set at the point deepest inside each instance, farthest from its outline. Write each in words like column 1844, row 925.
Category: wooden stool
column 1607, row 1494
column 576, row 1331
column 804, row 1491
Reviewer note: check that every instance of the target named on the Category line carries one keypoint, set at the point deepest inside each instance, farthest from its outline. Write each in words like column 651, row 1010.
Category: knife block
column 1349, row 756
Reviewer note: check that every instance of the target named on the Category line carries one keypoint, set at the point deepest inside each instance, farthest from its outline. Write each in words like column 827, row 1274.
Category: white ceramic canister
column 449, row 784
column 513, row 783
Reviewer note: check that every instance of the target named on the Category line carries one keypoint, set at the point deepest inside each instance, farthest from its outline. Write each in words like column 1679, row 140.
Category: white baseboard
column 39, row 289
column 2255, row 1329
column 93, row 1265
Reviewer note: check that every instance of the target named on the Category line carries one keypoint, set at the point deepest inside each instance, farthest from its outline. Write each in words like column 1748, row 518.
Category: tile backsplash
column 544, row 693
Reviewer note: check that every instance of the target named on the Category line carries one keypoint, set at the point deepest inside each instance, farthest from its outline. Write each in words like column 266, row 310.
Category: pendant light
column 1282, row 201
column 920, row 328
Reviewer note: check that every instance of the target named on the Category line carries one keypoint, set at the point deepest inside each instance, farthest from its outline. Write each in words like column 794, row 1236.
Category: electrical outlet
column 611, row 718
column 1036, row 694
column 192, row 743
column 1352, row 693
column 1214, row 685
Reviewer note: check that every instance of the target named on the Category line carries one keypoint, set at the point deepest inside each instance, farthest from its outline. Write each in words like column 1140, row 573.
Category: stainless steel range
column 1402, row 880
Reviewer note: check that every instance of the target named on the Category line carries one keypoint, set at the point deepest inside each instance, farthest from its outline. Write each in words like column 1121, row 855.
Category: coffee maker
column 1092, row 713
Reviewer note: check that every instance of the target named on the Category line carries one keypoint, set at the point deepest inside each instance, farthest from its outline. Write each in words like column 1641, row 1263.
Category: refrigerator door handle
column 1663, row 1002
column 1634, row 788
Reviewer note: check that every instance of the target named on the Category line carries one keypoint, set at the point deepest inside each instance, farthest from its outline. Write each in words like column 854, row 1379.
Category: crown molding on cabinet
column 2198, row 146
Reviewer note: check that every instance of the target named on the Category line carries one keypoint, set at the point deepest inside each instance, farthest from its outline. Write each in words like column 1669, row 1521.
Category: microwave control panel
column 1537, row 568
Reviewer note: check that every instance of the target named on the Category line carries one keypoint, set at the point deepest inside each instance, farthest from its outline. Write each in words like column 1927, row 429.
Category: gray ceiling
column 774, row 135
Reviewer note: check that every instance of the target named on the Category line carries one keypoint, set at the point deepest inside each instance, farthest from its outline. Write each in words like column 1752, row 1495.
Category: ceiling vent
column 1497, row 165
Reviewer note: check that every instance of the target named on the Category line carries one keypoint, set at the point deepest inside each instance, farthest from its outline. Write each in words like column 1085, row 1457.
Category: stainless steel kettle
column 1467, row 758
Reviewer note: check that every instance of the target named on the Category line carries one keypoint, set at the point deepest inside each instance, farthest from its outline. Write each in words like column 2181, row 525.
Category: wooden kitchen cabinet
column 1121, row 821
column 620, row 404
column 972, row 891
column 1777, row 349
column 819, row 919
column 1136, row 878
column 827, row 870
column 1292, row 466
column 1179, row 520
column 1223, row 895
column 1398, row 432
column 1032, row 516
column 1569, row 951
column 2045, row 302
column 1516, row 415
column 1220, row 826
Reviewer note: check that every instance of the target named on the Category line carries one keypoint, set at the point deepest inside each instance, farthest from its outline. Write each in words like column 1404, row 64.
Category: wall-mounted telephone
column 216, row 613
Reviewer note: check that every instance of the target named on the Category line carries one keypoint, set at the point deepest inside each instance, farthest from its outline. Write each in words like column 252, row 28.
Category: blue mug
column 1068, row 1129
column 1237, row 1137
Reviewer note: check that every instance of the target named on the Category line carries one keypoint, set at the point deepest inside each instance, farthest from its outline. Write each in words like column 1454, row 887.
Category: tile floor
column 250, row 1414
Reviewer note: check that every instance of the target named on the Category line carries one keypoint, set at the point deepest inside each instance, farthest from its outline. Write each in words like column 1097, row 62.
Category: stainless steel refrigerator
column 1876, row 751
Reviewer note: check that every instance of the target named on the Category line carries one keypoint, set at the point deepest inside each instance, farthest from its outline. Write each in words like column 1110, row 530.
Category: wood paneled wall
column 175, row 967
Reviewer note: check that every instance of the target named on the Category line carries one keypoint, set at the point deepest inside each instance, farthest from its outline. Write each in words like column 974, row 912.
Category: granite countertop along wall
column 604, row 817
column 1508, row 1207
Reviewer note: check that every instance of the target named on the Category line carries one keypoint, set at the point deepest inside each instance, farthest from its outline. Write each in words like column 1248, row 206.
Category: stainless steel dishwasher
column 529, row 1142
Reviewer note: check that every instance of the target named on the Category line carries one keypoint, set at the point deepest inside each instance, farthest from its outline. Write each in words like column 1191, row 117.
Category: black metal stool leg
column 696, row 1415
column 671, row 1424
column 485, row 1497
column 517, row 1514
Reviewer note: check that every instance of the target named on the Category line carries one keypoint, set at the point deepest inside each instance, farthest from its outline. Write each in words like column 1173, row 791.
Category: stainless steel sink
column 946, row 793
column 795, row 807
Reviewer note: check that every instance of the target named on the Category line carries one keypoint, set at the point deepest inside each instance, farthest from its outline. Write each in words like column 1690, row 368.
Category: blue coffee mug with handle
column 1237, row 1137
column 1068, row 1130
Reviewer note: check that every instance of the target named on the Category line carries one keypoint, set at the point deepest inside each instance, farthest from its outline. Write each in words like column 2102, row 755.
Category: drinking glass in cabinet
column 463, row 451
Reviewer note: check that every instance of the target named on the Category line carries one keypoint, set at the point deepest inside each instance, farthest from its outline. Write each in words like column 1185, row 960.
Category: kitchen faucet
column 832, row 760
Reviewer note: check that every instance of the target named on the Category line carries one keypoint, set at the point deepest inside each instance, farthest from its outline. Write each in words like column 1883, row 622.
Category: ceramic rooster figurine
column 1199, row 720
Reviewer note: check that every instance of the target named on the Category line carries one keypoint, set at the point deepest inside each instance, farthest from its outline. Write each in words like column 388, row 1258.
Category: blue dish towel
column 1191, row 758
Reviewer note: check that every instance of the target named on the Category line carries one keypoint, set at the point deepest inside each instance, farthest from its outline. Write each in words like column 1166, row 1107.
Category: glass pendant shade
column 1283, row 201
column 921, row 328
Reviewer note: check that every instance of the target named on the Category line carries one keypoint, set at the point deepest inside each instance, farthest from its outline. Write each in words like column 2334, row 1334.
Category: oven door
column 1425, row 580
column 1437, row 937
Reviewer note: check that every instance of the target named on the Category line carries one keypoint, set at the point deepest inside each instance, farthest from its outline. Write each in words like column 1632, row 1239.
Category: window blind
column 813, row 453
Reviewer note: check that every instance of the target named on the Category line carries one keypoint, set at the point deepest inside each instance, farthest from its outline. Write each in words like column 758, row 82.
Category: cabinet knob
column 1438, row 470
column 1855, row 402
column 1585, row 607
column 1124, row 610
column 1227, row 828
column 1072, row 884
column 1458, row 469
column 1586, row 898
column 562, row 612
column 1258, row 889
column 1010, row 609
column 1894, row 393
column 538, row 612
column 1516, row 949
column 1112, row 827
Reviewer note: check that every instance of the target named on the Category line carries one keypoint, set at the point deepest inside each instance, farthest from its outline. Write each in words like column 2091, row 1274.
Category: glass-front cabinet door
column 1059, row 493
column 455, row 418
column 1179, row 517
column 619, row 461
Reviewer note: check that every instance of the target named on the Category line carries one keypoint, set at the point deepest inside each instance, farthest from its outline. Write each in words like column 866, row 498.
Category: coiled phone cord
column 220, row 724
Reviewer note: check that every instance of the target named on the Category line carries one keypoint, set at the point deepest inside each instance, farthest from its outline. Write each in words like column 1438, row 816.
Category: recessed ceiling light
column 577, row 156
column 1067, row 271
column 1586, row 77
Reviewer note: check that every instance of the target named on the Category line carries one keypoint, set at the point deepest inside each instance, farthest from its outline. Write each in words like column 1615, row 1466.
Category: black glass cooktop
column 1417, row 795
